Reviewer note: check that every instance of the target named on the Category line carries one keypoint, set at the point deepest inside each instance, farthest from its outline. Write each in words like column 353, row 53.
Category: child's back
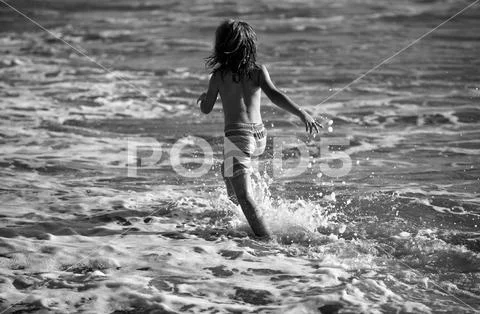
column 240, row 100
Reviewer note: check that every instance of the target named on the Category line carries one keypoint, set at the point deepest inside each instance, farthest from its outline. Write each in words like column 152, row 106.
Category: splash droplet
column 333, row 196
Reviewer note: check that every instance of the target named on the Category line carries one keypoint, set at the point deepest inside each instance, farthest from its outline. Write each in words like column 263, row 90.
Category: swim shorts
column 242, row 142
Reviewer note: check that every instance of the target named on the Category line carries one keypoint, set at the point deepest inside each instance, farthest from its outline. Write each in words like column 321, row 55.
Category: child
column 239, row 80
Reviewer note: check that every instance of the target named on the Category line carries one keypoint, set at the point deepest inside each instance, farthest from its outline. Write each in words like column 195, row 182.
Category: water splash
column 290, row 221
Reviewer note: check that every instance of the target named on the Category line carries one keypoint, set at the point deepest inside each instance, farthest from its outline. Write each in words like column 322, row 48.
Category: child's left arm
column 207, row 100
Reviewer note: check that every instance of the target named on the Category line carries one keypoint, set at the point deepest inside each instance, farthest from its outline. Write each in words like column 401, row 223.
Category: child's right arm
column 281, row 100
column 207, row 100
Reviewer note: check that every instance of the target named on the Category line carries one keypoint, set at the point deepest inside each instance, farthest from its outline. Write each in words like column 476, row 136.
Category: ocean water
column 83, row 229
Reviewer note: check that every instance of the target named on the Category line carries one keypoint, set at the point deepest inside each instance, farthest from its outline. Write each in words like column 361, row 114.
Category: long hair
column 235, row 49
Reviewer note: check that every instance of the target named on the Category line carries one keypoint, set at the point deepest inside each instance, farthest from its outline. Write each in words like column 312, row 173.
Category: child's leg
column 241, row 185
column 228, row 184
column 230, row 191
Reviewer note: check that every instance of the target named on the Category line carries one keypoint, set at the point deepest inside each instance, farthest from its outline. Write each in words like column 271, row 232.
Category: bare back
column 240, row 100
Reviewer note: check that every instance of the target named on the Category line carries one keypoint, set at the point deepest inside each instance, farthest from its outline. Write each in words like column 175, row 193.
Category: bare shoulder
column 262, row 70
column 264, row 78
column 259, row 74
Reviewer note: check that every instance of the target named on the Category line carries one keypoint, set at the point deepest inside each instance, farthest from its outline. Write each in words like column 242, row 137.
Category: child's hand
column 310, row 123
column 201, row 98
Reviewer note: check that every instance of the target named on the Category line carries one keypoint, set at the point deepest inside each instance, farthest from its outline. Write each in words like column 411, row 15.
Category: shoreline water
column 399, row 233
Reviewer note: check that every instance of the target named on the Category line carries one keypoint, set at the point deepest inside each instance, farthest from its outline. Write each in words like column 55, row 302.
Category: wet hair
column 235, row 50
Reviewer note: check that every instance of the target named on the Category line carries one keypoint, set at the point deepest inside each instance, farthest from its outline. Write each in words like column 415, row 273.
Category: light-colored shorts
column 242, row 142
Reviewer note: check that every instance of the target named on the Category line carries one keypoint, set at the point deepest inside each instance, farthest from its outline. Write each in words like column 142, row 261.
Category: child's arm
column 207, row 100
column 281, row 100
